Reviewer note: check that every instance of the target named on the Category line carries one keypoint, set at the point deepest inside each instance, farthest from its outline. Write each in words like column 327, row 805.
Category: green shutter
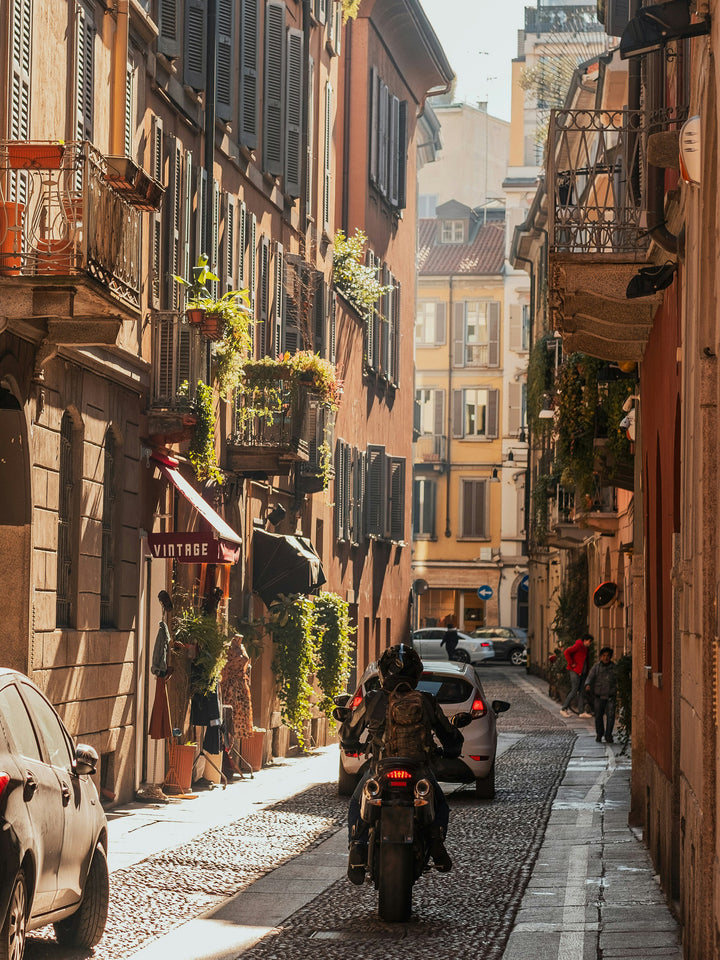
column 293, row 132
column 249, row 55
column 226, row 62
column 274, row 89
column 194, row 69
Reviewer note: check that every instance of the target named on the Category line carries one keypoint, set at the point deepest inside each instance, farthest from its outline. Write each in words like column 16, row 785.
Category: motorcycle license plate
column 396, row 824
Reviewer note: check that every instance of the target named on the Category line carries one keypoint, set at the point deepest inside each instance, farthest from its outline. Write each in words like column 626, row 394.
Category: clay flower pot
column 34, row 156
column 195, row 315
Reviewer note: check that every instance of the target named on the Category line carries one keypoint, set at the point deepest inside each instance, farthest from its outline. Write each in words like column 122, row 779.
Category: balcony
column 179, row 360
column 320, row 429
column 431, row 452
column 70, row 239
column 595, row 173
column 567, row 19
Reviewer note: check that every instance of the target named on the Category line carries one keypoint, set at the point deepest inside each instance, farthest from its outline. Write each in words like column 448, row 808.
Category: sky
column 479, row 38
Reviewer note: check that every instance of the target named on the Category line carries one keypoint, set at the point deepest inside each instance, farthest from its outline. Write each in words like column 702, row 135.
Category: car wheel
column 346, row 782
column 12, row 936
column 461, row 656
column 485, row 786
column 85, row 927
column 517, row 655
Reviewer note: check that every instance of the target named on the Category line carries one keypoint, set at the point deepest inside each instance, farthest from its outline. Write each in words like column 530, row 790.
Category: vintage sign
column 192, row 548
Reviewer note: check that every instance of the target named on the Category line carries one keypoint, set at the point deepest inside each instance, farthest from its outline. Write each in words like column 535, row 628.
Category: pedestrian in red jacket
column 576, row 657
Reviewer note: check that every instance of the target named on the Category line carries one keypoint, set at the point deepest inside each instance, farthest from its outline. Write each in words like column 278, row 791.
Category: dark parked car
column 53, row 830
column 510, row 643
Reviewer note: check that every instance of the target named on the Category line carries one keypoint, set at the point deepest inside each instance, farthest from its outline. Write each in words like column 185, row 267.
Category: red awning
column 219, row 544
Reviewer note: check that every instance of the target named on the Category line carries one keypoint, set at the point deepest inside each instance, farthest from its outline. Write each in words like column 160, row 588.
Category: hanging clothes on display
column 235, row 685
column 160, row 722
column 205, row 712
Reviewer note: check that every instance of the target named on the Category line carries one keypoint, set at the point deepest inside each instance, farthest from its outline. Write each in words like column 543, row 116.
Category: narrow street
column 267, row 879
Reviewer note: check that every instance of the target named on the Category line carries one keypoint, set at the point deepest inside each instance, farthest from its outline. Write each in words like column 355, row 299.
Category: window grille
column 107, row 566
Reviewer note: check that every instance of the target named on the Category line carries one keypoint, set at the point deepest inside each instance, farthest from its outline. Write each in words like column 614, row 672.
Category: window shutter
column 229, row 258
column 172, row 208
column 319, row 312
column 473, row 508
column 395, row 334
column 402, row 156
column 169, row 27
column 383, row 138
column 492, row 414
column 338, row 26
column 347, row 493
column 393, row 149
column 226, row 63
column 249, row 49
column 396, row 484
column 340, row 490
column 439, row 413
column 514, row 408
column 21, row 59
column 187, row 223
column 440, row 323
column 281, row 334
column 194, row 69
column 458, row 400
column 215, row 263
column 384, row 321
column 374, row 124
column 294, row 112
column 201, row 240
column 493, row 333
column 327, row 158
column 274, row 89
column 242, row 244
column 310, row 133
column 459, row 334
column 252, row 279
column 376, row 491
column 516, row 316
column 85, row 71
column 321, row 10
column 332, row 333
column 264, row 295
column 157, row 165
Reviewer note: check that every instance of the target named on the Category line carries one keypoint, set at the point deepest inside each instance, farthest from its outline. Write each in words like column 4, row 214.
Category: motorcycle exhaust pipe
column 370, row 803
column 372, row 788
column 423, row 789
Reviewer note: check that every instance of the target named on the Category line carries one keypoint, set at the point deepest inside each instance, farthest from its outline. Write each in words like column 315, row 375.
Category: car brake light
column 351, row 753
column 4, row 781
column 356, row 700
column 399, row 776
column 484, row 644
column 478, row 709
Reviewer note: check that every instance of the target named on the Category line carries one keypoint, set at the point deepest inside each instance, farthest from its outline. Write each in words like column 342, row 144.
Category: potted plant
column 210, row 639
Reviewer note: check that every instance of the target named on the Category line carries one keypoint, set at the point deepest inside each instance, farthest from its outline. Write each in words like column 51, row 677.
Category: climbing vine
column 332, row 625
column 290, row 622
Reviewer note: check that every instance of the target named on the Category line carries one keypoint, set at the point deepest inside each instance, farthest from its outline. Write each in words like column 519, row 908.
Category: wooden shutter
column 440, row 322
column 516, row 325
column 321, row 10
column 187, row 224
column 338, row 15
column 396, row 505
column 201, row 241
column 252, row 279
column 473, row 508
column 458, row 421
column 309, row 135
column 226, row 62
column 383, row 139
column 279, row 331
column 514, row 408
column 393, row 149
column 157, row 166
column 402, row 156
column 347, row 495
column 459, row 334
column 242, row 244
column 20, row 61
column 374, row 124
column 438, row 399
column 172, row 211
column 319, row 312
column 194, row 69
column 229, row 257
column 169, row 27
column 249, row 52
column 376, row 491
column 264, row 295
column 85, row 73
column 274, row 89
column 491, row 421
column 327, row 161
column 341, row 505
column 395, row 333
column 423, row 507
column 129, row 119
column 493, row 333
column 293, row 138
column 332, row 331
column 215, row 239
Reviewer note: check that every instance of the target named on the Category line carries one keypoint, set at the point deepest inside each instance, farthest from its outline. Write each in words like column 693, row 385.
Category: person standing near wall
column 576, row 658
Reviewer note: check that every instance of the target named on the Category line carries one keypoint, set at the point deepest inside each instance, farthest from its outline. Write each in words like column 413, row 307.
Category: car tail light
column 478, row 709
column 479, row 757
column 399, row 776
column 4, row 781
column 484, row 643
column 356, row 700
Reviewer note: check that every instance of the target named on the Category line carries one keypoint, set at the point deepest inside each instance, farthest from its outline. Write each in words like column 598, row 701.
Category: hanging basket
column 212, row 326
column 195, row 315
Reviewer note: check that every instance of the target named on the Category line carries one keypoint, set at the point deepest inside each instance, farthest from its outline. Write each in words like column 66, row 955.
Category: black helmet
column 399, row 664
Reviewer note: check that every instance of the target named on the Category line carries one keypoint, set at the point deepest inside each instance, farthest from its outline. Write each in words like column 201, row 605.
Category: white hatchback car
column 458, row 689
column 427, row 642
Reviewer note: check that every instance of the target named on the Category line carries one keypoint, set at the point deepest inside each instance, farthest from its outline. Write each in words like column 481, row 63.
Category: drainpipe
column 528, row 466
column 304, row 172
column 448, row 531
column 119, row 80
column 210, row 78
column 347, row 47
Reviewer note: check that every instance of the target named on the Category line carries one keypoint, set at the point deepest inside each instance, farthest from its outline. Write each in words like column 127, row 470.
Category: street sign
column 485, row 592
column 525, row 582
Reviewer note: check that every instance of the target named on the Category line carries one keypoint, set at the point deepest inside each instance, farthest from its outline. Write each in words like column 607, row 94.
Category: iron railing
column 59, row 216
column 567, row 19
column 272, row 416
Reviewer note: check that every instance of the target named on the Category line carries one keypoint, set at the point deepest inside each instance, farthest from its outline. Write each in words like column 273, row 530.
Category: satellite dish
column 420, row 587
column 605, row 594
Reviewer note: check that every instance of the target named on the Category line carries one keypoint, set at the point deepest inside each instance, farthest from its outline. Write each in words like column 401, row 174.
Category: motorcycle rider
column 398, row 665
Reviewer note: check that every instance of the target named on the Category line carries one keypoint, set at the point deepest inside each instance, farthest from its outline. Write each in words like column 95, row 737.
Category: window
column 249, row 53
column 293, row 118
column 384, row 495
column 107, row 559
column 423, row 514
column 84, row 73
column 473, row 504
column 453, row 231
column 274, row 89
column 476, row 333
column 430, row 323
column 427, row 202
column 517, row 408
column 388, row 142
column 17, row 725
column 53, row 735
column 475, row 413
column 343, row 490
column 66, row 525
column 520, row 327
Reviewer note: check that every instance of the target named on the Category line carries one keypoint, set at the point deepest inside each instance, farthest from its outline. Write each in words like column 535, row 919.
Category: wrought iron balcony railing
column 594, row 182
column 568, row 19
column 63, row 213
column 270, row 426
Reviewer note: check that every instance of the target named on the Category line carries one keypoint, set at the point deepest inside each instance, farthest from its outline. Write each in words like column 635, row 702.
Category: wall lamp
column 650, row 280
column 652, row 27
column 276, row 515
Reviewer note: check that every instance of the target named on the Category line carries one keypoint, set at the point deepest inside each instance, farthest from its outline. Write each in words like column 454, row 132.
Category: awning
column 219, row 544
column 284, row 564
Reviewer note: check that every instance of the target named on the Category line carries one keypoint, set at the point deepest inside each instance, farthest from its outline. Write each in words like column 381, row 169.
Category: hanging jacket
column 159, row 665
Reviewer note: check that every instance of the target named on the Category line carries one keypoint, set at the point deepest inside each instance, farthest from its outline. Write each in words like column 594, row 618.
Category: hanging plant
column 358, row 283
column 212, row 639
column 623, row 671
column 540, row 377
column 332, row 626
column 290, row 621
column 576, row 405
column 350, row 9
column 201, row 451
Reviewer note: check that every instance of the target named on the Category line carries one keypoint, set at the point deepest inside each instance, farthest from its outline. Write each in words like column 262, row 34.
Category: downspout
column 528, row 465
column 346, row 128
column 448, row 531
column 210, row 77
column 304, row 172
column 119, row 79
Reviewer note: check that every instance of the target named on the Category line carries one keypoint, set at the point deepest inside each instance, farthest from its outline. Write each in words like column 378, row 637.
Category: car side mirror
column 86, row 760
column 500, row 706
column 341, row 700
column 341, row 714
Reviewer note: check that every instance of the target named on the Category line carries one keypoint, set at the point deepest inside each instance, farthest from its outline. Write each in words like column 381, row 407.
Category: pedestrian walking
column 601, row 685
column 576, row 659
column 450, row 640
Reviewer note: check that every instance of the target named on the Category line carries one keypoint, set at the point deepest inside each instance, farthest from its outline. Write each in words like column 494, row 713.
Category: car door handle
column 65, row 790
column 31, row 785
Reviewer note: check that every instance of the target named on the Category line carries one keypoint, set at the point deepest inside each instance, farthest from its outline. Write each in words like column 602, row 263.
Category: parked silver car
column 470, row 649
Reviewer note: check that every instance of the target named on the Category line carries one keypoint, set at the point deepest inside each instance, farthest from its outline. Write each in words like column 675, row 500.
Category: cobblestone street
column 494, row 846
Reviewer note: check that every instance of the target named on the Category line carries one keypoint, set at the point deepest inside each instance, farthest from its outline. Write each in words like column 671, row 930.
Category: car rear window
column 446, row 689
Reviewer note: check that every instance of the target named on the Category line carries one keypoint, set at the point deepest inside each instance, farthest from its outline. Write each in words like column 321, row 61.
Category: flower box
column 195, row 315
column 35, row 156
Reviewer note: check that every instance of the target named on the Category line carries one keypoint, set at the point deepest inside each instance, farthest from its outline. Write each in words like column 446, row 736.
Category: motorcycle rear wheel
column 395, row 882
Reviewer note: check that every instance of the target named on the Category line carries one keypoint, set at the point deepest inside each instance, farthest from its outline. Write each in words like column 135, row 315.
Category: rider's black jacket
column 372, row 711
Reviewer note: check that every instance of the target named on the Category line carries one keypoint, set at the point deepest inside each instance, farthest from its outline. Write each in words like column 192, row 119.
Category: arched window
column 107, row 567
column 66, row 510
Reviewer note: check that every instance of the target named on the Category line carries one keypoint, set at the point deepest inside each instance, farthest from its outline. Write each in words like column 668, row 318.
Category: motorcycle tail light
column 4, row 781
column 479, row 757
column 352, row 753
column 399, row 776
column 478, row 709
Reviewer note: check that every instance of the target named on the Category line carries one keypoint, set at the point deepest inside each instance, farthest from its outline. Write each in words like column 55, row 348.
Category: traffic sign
column 485, row 592
column 525, row 582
